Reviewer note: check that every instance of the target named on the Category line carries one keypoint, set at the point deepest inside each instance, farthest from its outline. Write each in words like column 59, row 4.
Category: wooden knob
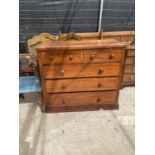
column 99, row 84
column 71, row 57
column 63, row 87
column 92, row 56
column 51, row 58
column 111, row 56
column 100, row 71
column 62, row 72
column 63, row 101
column 98, row 99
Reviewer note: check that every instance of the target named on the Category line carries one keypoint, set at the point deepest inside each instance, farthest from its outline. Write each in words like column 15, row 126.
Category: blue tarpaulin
column 29, row 84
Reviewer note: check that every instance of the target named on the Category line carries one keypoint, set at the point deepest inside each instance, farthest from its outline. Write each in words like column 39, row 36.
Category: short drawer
column 130, row 61
column 127, row 78
column 82, row 99
column 63, row 57
column 81, row 70
column 129, row 69
column 100, row 56
column 82, row 84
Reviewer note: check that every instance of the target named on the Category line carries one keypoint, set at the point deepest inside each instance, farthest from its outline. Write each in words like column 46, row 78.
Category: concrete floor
column 78, row 133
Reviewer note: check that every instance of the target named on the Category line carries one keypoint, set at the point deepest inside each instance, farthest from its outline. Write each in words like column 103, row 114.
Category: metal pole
column 100, row 15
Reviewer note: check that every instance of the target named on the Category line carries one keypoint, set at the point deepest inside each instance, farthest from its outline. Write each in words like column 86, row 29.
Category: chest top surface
column 83, row 44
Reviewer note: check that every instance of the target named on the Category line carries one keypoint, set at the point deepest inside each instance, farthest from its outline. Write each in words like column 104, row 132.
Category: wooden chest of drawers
column 80, row 75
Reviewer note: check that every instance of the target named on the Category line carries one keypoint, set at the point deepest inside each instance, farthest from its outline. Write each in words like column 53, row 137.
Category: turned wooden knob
column 51, row 57
column 100, row 71
column 63, row 86
column 63, row 101
column 62, row 72
column 92, row 56
column 111, row 56
column 98, row 99
column 99, row 84
column 71, row 57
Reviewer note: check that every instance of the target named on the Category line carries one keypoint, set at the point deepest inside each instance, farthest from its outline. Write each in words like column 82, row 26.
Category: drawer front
column 64, row 57
column 81, row 99
column 127, row 78
column 84, row 84
column 81, row 70
column 129, row 69
column 130, row 61
column 100, row 56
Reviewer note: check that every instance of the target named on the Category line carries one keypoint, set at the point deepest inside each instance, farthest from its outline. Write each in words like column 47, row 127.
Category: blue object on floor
column 29, row 84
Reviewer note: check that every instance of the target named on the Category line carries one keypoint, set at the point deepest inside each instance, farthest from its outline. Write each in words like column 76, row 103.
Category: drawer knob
column 101, row 70
column 92, row 56
column 63, row 86
column 51, row 57
column 63, row 101
column 111, row 56
column 99, row 84
column 62, row 72
column 71, row 57
column 98, row 99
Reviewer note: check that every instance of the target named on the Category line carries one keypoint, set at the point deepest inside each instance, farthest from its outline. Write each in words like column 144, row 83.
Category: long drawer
column 81, row 70
column 82, row 84
column 81, row 99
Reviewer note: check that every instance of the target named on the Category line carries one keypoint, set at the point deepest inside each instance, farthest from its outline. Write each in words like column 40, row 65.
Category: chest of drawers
column 80, row 75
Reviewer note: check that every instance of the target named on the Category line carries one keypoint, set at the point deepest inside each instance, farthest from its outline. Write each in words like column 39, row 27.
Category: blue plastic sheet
column 29, row 84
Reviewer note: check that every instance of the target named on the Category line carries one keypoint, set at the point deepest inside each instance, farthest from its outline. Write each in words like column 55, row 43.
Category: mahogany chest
column 80, row 75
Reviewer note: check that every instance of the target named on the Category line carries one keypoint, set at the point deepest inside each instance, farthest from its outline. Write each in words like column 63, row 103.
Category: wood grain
column 63, row 57
column 89, row 82
column 130, row 61
column 81, row 99
column 83, row 44
column 81, row 70
column 130, row 53
column 81, row 108
column 81, row 84
column 129, row 69
column 128, row 78
column 101, row 56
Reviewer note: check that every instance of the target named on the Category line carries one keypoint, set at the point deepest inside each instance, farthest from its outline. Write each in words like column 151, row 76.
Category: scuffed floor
column 78, row 133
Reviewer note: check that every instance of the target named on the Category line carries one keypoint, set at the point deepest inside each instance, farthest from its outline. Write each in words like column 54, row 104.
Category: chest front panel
column 85, row 79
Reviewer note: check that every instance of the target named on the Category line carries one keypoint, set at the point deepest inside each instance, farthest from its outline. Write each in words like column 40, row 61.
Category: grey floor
column 78, row 133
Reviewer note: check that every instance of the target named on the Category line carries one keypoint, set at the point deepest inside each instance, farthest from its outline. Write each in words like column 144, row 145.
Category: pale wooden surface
column 83, row 44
